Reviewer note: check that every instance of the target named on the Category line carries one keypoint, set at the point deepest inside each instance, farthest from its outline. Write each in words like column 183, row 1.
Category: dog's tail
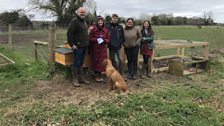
column 121, row 86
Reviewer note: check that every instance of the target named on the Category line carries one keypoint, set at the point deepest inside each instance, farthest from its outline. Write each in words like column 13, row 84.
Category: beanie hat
column 99, row 18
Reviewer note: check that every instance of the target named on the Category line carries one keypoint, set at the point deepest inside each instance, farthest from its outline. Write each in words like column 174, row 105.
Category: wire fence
column 22, row 38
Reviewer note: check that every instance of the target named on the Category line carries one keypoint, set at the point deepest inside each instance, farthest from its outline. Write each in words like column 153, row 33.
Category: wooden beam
column 10, row 36
column 165, row 57
column 40, row 42
column 7, row 58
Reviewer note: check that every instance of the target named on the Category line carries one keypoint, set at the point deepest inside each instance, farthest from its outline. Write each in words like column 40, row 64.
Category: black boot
column 134, row 69
column 75, row 81
column 148, row 71
column 142, row 74
column 81, row 76
column 130, row 71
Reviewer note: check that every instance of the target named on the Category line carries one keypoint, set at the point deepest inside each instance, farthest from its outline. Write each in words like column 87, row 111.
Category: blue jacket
column 116, row 36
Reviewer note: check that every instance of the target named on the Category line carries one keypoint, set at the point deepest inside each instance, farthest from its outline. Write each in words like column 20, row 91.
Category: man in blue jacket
column 116, row 40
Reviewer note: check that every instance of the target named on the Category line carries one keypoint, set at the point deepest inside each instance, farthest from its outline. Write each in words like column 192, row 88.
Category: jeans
column 112, row 56
column 132, row 57
column 79, row 56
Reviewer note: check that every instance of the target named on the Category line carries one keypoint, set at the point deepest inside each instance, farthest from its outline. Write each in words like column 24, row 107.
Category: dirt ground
column 57, row 90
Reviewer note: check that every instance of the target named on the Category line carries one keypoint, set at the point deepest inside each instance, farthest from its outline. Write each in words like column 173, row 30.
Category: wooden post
column 182, row 52
column 178, row 52
column 36, row 55
column 52, row 39
column 10, row 36
column 206, row 52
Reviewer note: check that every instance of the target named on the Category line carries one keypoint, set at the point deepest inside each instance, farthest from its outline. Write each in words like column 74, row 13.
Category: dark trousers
column 132, row 57
column 112, row 56
column 146, row 59
column 79, row 56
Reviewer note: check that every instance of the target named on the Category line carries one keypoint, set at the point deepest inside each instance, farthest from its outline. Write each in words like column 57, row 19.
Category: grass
column 193, row 100
column 186, row 101
column 213, row 35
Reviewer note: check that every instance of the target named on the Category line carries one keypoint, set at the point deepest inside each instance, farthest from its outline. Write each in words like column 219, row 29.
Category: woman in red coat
column 147, row 46
column 99, row 38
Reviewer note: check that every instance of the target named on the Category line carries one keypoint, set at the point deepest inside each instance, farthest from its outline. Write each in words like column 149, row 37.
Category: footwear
column 134, row 77
column 101, row 79
column 82, row 79
column 143, row 71
column 129, row 77
column 75, row 81
column 148, row 72
column 98, row 79
column 149, row 75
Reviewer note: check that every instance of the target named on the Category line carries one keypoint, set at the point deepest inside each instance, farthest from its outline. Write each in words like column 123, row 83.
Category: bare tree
column 64, row 10
column 208, row 18
column 144, row 16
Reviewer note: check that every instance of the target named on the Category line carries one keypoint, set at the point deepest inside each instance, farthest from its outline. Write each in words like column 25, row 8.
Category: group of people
column 113, row 36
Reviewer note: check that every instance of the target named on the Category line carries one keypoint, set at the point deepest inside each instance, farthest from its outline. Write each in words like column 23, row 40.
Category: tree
column 144, row 16
column 208, row 18
column 24, row 21
column 108, row 19
column 10, row 17
column 64, row 10
column 155, row 20
column 92, row 11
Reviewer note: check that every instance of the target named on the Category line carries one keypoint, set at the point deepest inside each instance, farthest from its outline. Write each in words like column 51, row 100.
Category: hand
column 74, row 47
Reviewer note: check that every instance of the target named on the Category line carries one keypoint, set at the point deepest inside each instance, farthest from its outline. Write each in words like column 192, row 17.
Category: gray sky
column 133, row 8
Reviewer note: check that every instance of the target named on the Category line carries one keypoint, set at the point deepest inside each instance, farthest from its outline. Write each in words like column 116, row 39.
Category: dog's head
column 106, row 62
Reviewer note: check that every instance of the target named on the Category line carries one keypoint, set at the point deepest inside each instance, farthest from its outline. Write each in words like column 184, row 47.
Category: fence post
column 51, row 45
column 10, row 36
column 36, row 55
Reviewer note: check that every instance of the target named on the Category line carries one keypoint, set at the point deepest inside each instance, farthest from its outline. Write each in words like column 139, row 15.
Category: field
column 33, row 93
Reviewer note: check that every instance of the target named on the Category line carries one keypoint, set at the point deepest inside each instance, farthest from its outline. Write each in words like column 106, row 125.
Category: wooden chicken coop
column 178, row 62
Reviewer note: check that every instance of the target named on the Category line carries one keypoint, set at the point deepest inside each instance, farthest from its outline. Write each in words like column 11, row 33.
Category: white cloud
column 189, row 8
column 133, row 8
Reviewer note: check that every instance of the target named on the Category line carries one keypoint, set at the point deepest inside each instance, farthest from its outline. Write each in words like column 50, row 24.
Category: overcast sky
column 133, row 8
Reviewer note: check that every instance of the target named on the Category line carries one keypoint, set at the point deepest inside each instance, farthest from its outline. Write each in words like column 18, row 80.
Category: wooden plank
column 165, row 57
column 161, row 69
column 186, row 72
column 40, row 42
column 7, row 58
column 195, row 61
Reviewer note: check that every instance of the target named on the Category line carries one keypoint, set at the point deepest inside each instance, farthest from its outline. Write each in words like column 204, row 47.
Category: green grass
column 168, row 107
column 213, row 35
column 16, row 80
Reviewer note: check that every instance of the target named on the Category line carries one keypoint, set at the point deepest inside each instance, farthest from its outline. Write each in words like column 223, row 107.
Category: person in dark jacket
column 146, row 48
column 116, row 40
column 77, row 37
column 99, row 38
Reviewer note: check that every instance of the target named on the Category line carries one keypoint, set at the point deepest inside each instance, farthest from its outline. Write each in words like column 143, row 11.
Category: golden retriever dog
column 115, row 78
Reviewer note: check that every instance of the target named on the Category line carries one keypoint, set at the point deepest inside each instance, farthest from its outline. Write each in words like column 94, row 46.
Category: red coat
column 98, row 52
